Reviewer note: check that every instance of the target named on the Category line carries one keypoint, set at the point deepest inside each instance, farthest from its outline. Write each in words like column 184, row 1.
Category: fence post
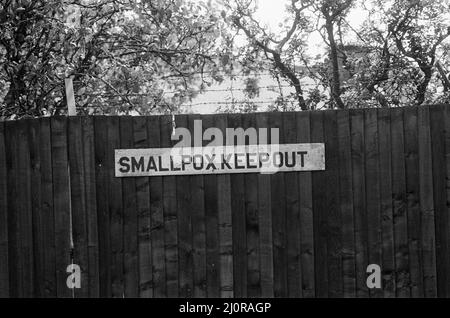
column 70, row 96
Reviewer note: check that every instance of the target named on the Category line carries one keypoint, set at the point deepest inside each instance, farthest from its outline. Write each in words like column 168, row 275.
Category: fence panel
column 383, row 199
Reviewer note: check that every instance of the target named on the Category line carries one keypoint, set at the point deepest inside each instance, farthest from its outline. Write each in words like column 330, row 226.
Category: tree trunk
column 422, row 87
column 335, row 80
column 287, row 73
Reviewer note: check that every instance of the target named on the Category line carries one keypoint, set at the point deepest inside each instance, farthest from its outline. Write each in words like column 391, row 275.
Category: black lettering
column 226, row 161
column 124, row 163
column 172, row 166
column 237, row 161
column 292, row 164
column 137, row 165
column 263, row 158
column 302, row 157
column 184, row 162
column 198, row 167
column 161, row 168
column 151, row 164
column 248, row 161
column 280, row 161
column 210, row 162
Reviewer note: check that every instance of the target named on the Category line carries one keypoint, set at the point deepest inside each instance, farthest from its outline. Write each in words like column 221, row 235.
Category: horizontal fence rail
column 383, row 198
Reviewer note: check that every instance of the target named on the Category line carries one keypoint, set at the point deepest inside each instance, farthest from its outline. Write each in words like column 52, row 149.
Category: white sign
column 219, row 160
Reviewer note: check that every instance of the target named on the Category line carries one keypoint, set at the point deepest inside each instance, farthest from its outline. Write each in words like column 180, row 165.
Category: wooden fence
column 383, row 199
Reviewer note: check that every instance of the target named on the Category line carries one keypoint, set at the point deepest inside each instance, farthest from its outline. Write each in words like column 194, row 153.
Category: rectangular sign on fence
column 219, row 160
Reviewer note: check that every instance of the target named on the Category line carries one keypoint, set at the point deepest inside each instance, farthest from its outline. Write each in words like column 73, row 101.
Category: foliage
column 144, row 56
column 153, row 56
column 397, row 57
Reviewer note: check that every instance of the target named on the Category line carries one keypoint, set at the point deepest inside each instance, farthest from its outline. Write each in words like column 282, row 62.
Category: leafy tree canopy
column 141, row 55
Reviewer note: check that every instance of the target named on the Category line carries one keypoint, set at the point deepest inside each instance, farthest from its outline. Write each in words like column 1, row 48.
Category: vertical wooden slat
column 251, row 217
column 346, row 204
column 36, row 207
column 15, row 266
column 170, row 215
column 306, row 212
column 78, row 202
column 185, row 257
column 198, row 222
column 387, row 220
column 372, row 191
column 61, row 203
column 238, row 216
column 294, row 266
column 278, row 206
column 265, row 221
column 4, row 266
column 87, row 124
column 115, row 210
column 399, row 205
column 426, row 203
column 226, row 257
column 320, row 213
column 47, row 211
column 146, row 209
column 447, row 155
column 412, row 190
column 359, row 200
column 102, row 189
column 334, row 220
column 442, row 219
column 211, row 223
column 25, row 209
column 156, row 215
column 130, row 218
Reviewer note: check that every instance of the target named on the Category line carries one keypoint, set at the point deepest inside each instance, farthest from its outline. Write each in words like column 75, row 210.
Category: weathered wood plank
column 371, row 153
column 156, row 215
column 412, row 190
column 47, row 211
column 265, row 219
column 36, row 205
column 346, row 204
column 387, row 219
column 170, row 215
column 25, row 210
column 294, row 266
column 185, row 249
column 399, row 205
column 238, row 216
column 442, row 219
column 447, row 155
column 334, row 219
column 359, row 200
column 148, row 204
column 87, row 124
column 278, row 206
column 198, row 221
column 251, row 218
column 78, row 203
column 102, row 192
column 15, row 266
column 61, row 201
column 428, row 238
column 211, row 222
column 4, row 266
column 226, row 257
column 130, row 218
column 320, row 213
column 115, row 210
column 306, row 212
